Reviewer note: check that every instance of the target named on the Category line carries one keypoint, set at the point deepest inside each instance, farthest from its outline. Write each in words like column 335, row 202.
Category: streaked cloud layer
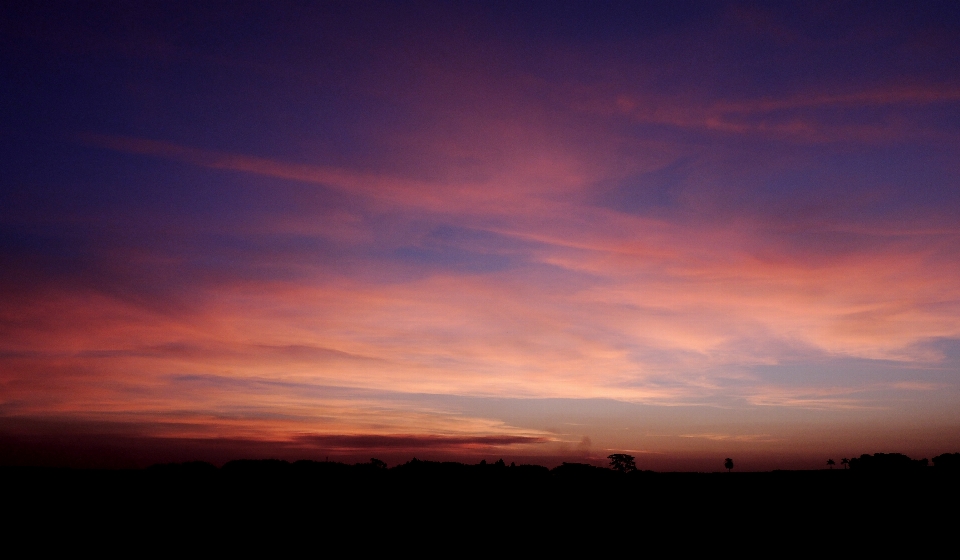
column 456, row 231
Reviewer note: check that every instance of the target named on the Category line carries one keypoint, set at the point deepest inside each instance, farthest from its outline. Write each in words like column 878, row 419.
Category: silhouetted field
column 251, row 499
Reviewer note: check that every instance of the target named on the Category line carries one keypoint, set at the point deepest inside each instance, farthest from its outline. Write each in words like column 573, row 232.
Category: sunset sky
column 542, row 231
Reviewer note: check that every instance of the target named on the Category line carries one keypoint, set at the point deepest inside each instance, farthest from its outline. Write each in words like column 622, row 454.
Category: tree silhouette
column 728, row 464
column 831, row 463
column 844, row 462
column 885, row 462
column 947, row 461
column 622, row 462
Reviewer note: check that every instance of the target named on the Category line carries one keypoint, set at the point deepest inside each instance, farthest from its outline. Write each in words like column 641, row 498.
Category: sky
column 541, row 231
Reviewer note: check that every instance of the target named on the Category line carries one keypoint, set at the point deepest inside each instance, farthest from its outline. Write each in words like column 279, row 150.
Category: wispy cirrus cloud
column 810, row 117
column 744, row 438
column 632, row 299
column 414, row 442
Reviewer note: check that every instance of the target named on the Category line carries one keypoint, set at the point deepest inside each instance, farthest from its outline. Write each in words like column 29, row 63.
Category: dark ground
column 421, row 505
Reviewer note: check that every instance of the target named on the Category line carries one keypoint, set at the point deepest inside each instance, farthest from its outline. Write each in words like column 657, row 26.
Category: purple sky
column 537, row 231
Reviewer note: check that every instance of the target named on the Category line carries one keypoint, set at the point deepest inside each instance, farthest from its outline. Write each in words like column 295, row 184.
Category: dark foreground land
column 414, row 504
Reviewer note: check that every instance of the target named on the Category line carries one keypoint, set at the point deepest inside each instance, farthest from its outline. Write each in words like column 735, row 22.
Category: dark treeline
column 880, row 492
column 879, row 462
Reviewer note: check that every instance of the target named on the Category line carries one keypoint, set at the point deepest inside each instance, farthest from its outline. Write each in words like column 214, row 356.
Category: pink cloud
column 794, row 117
column 632, row 290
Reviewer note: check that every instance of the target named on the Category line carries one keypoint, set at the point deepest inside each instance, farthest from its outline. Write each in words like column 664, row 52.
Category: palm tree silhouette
column 831, row 463
column 728, row 464
column 844, row 462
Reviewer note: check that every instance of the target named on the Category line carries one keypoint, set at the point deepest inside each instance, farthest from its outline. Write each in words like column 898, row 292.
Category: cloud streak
column 799, row 117
column 413, row 442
